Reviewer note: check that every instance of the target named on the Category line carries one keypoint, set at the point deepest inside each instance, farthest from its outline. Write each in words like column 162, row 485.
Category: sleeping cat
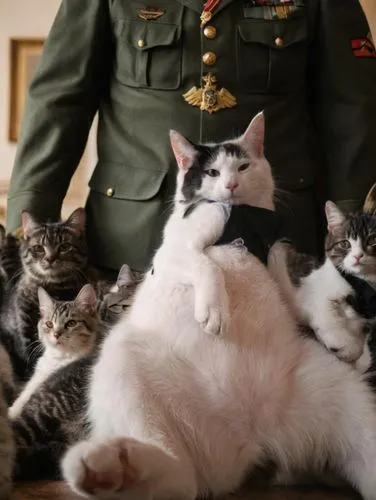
column 117, row 297
column 68, row 331
column 54, row 416
column 337, row 298
column 54, row 256
column 176, row 410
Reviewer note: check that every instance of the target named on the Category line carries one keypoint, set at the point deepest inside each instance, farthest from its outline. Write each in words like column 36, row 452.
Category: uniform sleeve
column 63, row 98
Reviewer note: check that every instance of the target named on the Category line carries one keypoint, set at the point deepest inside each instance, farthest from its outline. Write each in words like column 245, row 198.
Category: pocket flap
column 121, row 181
column 144, row 35
column 266, row 32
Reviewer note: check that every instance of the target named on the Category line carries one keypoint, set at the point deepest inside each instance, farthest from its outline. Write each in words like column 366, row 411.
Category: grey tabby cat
column 53, row 256
column 115, row 298
column 68, row 331
column 337, row 298
column 10, row 261
column 7, row 446
column 54, row 416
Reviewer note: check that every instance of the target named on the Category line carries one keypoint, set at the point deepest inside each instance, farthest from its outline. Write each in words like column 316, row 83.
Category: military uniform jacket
column 133, row 64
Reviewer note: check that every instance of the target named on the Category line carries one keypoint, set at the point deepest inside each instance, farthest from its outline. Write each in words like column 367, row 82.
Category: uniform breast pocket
column 272, row 55
column 148, row 54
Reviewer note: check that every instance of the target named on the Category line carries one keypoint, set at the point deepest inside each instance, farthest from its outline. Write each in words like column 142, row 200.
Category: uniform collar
column 197, row 5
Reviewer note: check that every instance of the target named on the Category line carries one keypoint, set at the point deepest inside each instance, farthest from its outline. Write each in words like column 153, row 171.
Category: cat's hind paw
column 100, row 470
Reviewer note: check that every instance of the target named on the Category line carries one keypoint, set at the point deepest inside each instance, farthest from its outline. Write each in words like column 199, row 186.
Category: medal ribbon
column 207, row 13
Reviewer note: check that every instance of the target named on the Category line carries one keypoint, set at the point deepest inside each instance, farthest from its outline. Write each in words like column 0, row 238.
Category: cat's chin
column 356, row 269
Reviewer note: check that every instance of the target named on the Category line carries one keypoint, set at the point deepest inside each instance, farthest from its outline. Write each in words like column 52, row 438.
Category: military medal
column 150, row 13
column 207, row 13
column 272, row 9
column 208, row 97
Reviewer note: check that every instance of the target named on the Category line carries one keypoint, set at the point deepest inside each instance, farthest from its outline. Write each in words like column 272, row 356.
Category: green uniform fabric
column 94, row 61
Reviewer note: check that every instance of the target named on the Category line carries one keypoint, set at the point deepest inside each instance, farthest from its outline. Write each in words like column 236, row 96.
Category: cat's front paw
column 15, row 410
column 341, row 343
column 213, row 315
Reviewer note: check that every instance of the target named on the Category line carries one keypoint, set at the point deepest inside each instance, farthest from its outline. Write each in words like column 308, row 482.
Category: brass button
column 110, row 192
column 279, row 41
column 141, row 43
column 210, row 32
column 209, row 58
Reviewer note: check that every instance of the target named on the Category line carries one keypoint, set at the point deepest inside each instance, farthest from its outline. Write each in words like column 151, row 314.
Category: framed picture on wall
column 24, row 58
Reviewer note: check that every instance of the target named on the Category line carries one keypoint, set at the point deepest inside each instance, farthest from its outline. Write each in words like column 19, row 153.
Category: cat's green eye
column 49, row 324
column 344, row 245
column 243, row 167
column 38, row 249
column 371, row 240
column 71, row 323
column 212, row 172
column 65, row 247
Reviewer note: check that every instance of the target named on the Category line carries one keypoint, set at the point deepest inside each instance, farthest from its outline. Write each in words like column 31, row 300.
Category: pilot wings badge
column 208, row 97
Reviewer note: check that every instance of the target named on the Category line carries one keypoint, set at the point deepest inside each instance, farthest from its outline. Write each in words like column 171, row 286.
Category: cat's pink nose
column 358, row 256
column 232, row 186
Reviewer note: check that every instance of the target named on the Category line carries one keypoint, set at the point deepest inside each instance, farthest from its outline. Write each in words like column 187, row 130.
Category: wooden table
column 59, row 491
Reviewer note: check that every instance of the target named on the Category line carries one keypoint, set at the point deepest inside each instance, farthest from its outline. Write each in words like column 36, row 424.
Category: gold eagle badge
column 208, row 97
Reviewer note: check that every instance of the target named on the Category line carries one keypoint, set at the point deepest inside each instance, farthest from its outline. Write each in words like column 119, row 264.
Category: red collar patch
column 363, row 47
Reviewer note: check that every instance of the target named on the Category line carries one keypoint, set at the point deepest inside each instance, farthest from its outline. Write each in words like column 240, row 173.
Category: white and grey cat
column 68, row 331
column 176, row 412
column 337, row 298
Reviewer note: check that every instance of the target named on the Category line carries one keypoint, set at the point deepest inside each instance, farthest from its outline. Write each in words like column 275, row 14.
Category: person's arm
column 62, row 101
column 369, row 9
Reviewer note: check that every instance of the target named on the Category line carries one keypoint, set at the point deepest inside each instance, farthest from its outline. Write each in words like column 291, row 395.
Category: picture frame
column 24, row 58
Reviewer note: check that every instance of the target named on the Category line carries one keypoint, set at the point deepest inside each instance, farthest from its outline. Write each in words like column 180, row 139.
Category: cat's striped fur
column 54, row 256
column 54, row 416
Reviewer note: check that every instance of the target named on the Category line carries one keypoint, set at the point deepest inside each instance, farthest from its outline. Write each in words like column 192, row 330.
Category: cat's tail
column 279, row 270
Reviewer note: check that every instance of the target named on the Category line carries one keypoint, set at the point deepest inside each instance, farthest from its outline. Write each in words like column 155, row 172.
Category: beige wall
column 30, row 19
column 18, row 18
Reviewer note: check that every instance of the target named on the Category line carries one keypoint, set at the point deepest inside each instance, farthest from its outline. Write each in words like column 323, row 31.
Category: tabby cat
column 54, row 416
column 7, row 447
column 10, row 262
column 117, row 297
column 68, row 331
column 53, row 256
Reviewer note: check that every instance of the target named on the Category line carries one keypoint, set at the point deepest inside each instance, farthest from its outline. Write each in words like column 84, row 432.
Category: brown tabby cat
column 53, row 256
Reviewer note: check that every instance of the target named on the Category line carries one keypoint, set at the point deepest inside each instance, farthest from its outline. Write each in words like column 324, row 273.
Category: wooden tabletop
column 59, row 491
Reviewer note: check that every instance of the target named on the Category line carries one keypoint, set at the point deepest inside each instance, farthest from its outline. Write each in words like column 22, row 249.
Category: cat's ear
column 86, row 299
column 46, row 303
column 370, row 202
column 253, row 138
column 125, row 276
column 334, row 216
column 76, row 221
column 29, row 224
column 183, row 149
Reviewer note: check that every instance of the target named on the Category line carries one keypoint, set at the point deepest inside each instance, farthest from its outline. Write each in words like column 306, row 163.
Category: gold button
column 279, row 41
column 210, row 32
column 110, row 192
column 141, row 43
column 209, row 58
